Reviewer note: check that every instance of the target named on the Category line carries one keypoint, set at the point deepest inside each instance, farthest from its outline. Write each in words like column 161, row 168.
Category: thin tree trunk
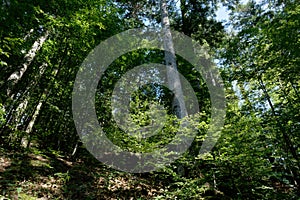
column 287, row 139
column 28, row 34
column 25, row 141
column 183, row 10
column 75, row 149
column 285, row 135
column 16, row 117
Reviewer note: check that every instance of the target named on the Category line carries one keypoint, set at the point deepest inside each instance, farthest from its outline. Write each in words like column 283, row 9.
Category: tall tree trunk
column 174, row 83
column 15, row 77
column 285, row 135
column 25, row 141
column 183, row 10
column 18, row 113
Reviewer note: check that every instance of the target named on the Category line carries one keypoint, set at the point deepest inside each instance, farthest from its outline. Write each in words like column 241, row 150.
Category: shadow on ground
column 45, row 175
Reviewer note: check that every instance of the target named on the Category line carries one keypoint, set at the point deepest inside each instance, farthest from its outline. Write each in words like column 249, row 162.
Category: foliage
column 257, row 156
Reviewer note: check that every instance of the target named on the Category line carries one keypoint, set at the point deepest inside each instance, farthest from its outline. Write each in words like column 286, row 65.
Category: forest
column 103, row 99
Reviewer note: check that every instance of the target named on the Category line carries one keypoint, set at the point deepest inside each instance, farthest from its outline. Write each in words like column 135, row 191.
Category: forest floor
column 47, row 175
column 41, row 175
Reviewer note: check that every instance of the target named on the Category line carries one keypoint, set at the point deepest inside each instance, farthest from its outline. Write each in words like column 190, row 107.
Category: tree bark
column 183, row 10
column 25, row 141
column 174, row 83
column 17, row 115
column 15, row 77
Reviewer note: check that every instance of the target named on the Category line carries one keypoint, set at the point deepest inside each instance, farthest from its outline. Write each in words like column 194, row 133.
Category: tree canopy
column 43, row 45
